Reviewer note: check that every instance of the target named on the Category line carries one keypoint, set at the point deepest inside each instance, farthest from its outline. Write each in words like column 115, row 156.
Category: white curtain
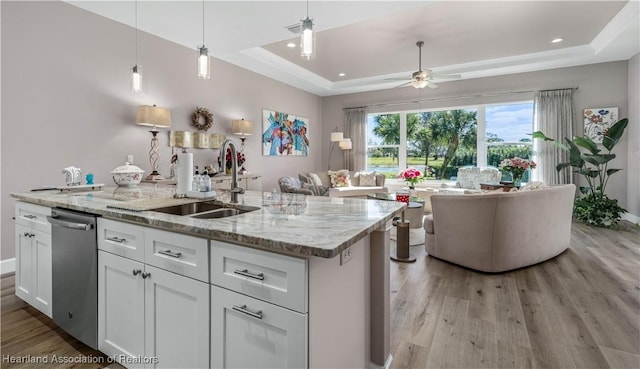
column 355, row 125
column 554, row 117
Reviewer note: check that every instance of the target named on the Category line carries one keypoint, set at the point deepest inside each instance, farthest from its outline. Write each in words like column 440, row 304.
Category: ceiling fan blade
column 431, row 84
column 404, row 84
column 447, row 76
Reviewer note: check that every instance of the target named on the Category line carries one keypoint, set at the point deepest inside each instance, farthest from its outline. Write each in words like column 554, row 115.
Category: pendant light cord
column 307, row 8
column 202, row 23
column 136, row 13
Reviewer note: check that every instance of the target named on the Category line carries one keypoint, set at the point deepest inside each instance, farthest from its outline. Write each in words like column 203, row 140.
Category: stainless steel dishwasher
column 74, row 255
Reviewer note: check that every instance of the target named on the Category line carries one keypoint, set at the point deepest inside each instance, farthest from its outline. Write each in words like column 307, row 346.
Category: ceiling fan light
column 307, row 39
column 419, row 83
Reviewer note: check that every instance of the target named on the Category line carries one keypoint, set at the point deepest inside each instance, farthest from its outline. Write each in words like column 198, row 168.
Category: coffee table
column 413, row 211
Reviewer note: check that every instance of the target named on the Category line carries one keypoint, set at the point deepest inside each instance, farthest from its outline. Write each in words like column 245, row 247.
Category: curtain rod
column 464, row 97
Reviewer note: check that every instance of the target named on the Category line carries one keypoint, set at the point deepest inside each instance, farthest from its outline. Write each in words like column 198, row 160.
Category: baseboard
column 7, row 266
column 387, row 364
column 631, row 218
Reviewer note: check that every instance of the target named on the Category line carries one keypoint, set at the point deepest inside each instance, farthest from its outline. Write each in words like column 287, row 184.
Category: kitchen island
column 342, row 246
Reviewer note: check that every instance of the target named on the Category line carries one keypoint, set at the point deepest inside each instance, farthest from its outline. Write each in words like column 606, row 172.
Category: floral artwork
column 597, row 121
column 284, row 134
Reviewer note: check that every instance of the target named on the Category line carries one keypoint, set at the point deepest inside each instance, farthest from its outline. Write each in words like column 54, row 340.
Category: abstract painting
column 284, row 134
column 597, row 121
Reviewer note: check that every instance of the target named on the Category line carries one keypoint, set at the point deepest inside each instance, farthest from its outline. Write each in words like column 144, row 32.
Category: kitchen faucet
column 235, row 189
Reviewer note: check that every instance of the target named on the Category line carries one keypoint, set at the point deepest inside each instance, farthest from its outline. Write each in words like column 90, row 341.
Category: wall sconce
column 154, row 117
column 243, row 128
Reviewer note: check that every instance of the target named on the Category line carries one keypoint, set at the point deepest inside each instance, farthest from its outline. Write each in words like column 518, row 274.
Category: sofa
column 500, row 231
column 471, row 177
column 319, row 184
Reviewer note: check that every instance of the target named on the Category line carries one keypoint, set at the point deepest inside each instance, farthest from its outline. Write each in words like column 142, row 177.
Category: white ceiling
column 371, row 41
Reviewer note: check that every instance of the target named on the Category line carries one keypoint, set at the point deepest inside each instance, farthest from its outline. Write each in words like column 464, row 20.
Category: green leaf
column 540, row 135
column 599, row 159
column 614, row 133
column 587, row 143
column 574, row 154
column 561, row 166
column 611, row 171
column 589, row 173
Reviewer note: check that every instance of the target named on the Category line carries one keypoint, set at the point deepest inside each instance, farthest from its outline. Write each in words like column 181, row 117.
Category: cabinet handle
column 26, row 234
column 245, row 272
column 146, row 275
column 243, row 309
column 176, row 255
column 29, row 216
column 137, row 271
column 116, row 239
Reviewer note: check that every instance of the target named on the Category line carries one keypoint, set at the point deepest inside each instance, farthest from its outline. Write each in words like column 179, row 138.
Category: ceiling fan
column 423, row 77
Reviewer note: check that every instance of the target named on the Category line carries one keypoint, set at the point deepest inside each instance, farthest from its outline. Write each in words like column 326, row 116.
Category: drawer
column 178, row 253
column 121, row 238
column 33, row 216
column 275, row 278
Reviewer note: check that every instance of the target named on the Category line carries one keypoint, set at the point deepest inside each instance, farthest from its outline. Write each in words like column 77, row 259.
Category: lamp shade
column 242, row 127
column 153, row 116
column 346, row 144
column 336, row 136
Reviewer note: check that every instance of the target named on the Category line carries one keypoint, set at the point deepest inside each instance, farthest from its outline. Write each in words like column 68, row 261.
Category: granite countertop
column 292, row 223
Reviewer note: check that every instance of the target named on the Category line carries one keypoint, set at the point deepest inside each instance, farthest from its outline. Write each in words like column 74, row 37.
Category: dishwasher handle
column 71, row 225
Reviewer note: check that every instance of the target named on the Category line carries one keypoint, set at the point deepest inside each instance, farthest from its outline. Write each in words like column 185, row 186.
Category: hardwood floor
column 579, row 310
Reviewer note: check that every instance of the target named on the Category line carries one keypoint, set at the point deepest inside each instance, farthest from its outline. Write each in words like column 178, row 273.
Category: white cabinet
column 33, row 256
column 250, row 333
column 147, row 312
column 258, row 308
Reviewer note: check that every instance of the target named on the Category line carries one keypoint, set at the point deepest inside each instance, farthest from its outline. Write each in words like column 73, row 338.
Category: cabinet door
column 120, row 307
column 176, row 320
column 42, row 272
column 24, row 263
column 253, row 183
column 249, row 333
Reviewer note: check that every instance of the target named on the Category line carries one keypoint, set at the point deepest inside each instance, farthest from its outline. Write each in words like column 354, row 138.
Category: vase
column 227, row 171
column 517, row 181
column 412, row 191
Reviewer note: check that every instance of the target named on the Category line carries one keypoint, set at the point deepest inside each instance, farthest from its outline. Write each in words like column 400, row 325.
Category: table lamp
column 155, row 117
column 243, row 128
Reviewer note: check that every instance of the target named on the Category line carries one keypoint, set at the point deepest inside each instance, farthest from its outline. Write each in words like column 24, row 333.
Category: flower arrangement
column 412, row 176
column 517, row 166
column 239, row 156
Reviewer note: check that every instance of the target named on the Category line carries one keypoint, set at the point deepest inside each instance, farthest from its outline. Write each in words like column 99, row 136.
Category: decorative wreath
column 202, row 113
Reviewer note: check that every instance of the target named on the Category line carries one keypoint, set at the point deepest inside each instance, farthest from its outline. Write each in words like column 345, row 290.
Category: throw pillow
column 316, row 179
column 367, row 179
column 340, row 178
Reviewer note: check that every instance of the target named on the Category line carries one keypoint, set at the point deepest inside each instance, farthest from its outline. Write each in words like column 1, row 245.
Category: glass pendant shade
column 136, row 79
column 307, row 39
column 204, row 66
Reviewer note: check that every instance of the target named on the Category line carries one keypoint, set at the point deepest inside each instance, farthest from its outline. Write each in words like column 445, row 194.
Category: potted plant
column 517, row 167
column 593, row 206
column 412, row 176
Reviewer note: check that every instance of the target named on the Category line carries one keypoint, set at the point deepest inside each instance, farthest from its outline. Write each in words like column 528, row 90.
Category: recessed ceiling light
column 291, row 44
column 556, row 40
column 341, row 74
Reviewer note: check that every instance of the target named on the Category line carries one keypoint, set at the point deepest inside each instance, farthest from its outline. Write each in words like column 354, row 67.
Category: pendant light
column 204, row 66
column 307, row 39
column 136, row 72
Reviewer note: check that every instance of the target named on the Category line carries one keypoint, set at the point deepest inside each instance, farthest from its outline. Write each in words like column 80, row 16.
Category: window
column 440, row 141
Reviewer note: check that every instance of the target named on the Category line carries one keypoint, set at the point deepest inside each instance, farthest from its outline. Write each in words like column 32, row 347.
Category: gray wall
column 66, row 101
column 633, row 136
column 600, row 85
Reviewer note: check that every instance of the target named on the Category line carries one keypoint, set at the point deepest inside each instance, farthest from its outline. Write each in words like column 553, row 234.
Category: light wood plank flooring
column 579, row 310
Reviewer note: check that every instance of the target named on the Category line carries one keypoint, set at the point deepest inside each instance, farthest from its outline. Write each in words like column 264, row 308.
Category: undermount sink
column 206, row 210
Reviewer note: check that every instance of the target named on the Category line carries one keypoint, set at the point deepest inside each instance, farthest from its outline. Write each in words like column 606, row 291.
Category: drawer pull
column 243, row 309
column 245, row 272
column 176, row 255
column 29, row 216
column 136, row 272
column 117, row 239
column 146, row 275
